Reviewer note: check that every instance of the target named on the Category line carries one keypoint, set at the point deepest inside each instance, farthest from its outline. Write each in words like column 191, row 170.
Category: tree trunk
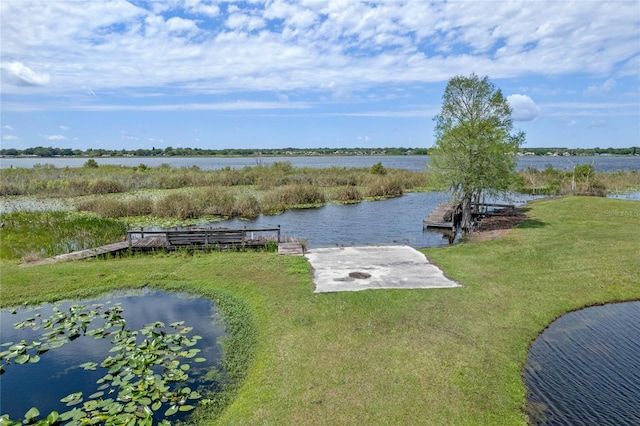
column 466, row 214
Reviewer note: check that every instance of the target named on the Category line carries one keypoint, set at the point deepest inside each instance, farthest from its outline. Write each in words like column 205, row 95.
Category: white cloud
column 63, row 128
column 55, row 137
column 523, row 108
column 126, row 135
column 18, row 74
column 599, row 89
column 177, row 24
column 290, row 45
column 590, row 109
column 10, row 138
column 202, row 8
column 597, row 123
column 214, row 106
column 238, row 21
column 7, row 127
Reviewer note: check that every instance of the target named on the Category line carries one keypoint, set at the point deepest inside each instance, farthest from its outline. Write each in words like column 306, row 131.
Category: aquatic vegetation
column 146, row 370
column 45, row 234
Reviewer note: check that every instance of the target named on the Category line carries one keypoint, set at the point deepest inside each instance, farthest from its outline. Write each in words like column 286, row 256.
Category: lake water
column 409, row 162
column 58, row 374
column 585, row 368
column 391, row 221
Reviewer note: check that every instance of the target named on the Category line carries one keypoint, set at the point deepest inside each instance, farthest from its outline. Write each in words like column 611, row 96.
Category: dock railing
column 175, row 238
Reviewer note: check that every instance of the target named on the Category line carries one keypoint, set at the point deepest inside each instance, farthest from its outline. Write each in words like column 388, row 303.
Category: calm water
column 392, row 221
column 585, row 368
column 409, row 162
column 57, row 374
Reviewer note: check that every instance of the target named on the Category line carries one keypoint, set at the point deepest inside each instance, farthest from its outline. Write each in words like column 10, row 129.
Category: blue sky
column 218, row 74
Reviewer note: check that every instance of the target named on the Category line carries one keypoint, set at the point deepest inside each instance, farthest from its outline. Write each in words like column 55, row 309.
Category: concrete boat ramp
column 374, row 267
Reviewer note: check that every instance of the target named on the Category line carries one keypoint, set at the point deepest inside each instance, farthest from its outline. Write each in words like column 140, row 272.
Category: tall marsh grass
column 47, row 180
column 189, row 192
column 31, row 235
column 584, row 180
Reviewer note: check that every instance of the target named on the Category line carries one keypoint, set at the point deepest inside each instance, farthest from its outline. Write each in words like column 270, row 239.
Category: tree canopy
column 475, row 148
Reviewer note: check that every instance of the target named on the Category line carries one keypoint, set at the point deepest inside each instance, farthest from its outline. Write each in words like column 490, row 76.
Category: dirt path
column 497, row 226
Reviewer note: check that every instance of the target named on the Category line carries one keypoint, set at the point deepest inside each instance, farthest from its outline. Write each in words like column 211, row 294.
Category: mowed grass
column 433, row 357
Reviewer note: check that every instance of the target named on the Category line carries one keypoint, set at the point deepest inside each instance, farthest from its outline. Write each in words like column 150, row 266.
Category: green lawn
column 444, row 356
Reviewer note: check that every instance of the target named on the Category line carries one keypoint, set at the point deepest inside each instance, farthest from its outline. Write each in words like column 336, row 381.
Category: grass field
column 433, row 357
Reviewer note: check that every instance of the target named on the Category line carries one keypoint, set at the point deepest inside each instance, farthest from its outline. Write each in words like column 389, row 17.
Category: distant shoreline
column 42, row 152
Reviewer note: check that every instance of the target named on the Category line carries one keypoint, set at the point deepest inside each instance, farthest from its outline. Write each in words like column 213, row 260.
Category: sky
column 311, row 73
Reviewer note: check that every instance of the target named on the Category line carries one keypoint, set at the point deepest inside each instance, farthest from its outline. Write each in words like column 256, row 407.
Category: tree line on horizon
column 48, row 152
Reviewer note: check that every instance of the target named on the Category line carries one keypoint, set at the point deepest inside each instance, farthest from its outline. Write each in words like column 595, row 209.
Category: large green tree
column 475, row 145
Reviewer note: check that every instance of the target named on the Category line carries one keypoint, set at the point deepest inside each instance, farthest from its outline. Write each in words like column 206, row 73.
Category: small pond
column 585, row 368
column 58, row 372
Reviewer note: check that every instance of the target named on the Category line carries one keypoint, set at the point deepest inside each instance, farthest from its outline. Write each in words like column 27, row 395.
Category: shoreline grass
column 447, row 356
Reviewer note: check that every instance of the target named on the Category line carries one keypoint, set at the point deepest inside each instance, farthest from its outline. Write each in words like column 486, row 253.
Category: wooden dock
column 198, row 239
column 291, row 249
column 441, row 217
column 448, row 216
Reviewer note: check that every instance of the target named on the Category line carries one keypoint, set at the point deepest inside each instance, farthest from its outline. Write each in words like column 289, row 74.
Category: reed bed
column 49, row 181
column 33, row 236
column 584, row 180
column 189, row 193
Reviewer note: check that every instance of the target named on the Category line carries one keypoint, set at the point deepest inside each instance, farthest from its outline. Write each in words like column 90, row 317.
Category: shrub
column 179, row 205
column 385, row 187
column 216, row 201
column 169, row 180
column 91, row 164
column 584, row 172
column 297, row 194
column 9, row 189
column 139, row 206
column 248, row 206
column 104, row 207
column 378, row 169
column 106, row 186
column 273, row 202
column 348, row 194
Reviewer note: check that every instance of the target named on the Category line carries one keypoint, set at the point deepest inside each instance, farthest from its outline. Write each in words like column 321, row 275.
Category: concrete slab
column 373, row 267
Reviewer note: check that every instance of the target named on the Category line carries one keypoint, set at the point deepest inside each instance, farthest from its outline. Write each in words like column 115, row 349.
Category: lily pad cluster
column 146, row 370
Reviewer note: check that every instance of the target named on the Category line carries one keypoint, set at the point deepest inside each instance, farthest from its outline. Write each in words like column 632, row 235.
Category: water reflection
column 585, row 368
column 58, row 373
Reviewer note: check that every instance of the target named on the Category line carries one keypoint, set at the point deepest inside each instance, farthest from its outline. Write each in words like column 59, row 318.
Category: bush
column 273, row 202
column 179, row 205
column 247, row 206
column 301, row 194
column 106, row 186
column 347, row 194
column 584, row 172
column 216, row 201
column 378, row 169
column 385, row 187
column 104, row 207
column 139, row 206
column 91, row 164
column 9, row 189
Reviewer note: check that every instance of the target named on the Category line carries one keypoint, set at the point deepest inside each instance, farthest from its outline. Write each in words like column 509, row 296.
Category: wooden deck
column 440, row 217
column 448, row 216
column 170, row 240
column 291, row 249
